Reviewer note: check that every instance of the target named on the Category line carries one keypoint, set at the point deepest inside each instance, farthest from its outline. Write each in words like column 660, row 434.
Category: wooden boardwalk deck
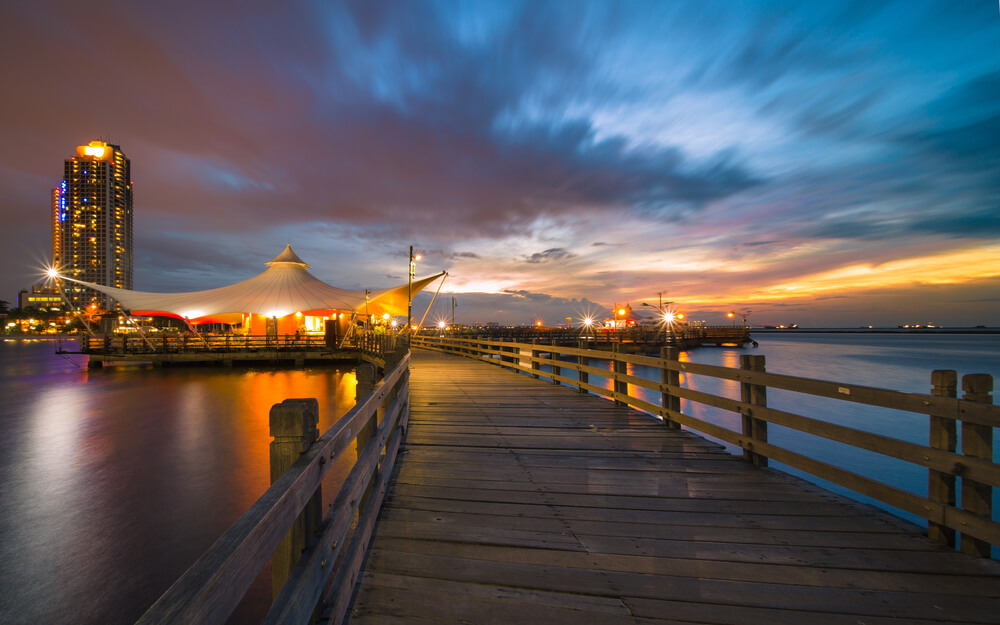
column 517, row 501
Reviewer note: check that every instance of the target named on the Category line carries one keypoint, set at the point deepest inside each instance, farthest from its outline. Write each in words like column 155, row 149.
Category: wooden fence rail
column 315, row 559
column 973, row 465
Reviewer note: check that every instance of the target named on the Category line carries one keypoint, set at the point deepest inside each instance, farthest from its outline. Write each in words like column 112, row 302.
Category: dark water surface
column 112, row 482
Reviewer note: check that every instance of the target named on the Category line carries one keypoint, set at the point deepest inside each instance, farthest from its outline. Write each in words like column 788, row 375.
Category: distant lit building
column 42, row 297
column 92, row 222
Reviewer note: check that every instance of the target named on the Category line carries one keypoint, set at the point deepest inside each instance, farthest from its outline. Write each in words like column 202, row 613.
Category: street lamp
column 409, row 291
column 743, row 314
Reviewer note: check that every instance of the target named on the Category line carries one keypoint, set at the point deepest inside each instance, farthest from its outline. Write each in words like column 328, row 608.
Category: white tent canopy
column 284, row 288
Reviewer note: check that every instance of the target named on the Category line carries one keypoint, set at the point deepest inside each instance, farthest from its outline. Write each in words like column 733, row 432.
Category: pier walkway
column 518, row 501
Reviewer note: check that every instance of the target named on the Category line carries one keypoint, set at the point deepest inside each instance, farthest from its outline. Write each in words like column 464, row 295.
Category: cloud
column 548, row 256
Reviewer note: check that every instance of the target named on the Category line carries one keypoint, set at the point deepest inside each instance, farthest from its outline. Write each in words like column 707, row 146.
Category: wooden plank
column 704, row 568
column 454, row 521
column 857, row 601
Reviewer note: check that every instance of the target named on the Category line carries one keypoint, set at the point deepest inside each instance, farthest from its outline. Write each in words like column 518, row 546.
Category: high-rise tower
column 92, row 222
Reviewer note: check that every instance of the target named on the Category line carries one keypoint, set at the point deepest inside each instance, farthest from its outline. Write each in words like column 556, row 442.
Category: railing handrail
column 211, row 588
column 976, row 468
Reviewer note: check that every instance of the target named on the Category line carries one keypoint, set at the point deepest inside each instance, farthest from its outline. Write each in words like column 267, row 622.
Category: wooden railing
column 972, row 470
column 316, row 558
column 186, row 343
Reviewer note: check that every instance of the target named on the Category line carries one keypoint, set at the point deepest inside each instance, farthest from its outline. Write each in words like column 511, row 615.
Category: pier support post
column 668, row 400
column 366, row 375
column 620, row 386
column 940, row 485
column 977, row 442
column 582, row 376
column 293, row 425
column 755, row 395
column 535, row 365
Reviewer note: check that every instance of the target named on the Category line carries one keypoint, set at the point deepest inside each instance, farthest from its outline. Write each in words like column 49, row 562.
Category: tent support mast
column 191, row 327
column 350, row 330
column 138, row 329
column 79, row 315
column 422, row 319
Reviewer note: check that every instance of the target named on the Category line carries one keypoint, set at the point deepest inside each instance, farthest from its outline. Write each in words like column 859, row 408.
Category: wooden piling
column 943, row 435
column 620, row 368
column 293, row 424
column 756, row 395
column 582, row 376
column 668, row 400
column 977, row 442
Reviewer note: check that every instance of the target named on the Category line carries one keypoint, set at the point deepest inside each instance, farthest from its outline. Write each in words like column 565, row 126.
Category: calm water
column 112, row 482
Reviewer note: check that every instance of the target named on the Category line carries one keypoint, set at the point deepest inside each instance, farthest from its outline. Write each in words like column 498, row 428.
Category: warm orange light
column 538, row 323
column 729, row 314
column 680, row 315
column 97, row 149
column 621, row 311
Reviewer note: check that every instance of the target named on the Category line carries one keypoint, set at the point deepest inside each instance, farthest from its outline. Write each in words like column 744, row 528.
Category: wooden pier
column 517, row 501
column 497, row 484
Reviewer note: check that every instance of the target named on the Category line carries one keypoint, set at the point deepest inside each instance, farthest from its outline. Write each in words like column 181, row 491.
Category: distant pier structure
column 628, row 340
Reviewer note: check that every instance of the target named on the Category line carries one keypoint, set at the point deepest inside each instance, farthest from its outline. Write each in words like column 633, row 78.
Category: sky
column 819, row 163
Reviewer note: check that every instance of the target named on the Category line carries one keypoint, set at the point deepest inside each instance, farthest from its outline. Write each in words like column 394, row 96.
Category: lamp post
column 743, row 314
column 409, row 293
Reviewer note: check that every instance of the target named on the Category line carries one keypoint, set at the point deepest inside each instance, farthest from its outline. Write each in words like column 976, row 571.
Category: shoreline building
column 92, row 224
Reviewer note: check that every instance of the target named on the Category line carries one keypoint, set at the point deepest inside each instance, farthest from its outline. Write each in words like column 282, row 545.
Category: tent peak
column 288, row 256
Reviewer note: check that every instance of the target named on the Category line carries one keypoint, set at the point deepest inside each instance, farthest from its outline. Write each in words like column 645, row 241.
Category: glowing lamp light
column 52, row 272
column 298, row 314
column 385, row 316
column 621, row 312
column 668, row 317
column 680, row 315
column 588, row 322
column 94, row 150
column 192, row 314
column 441, row 324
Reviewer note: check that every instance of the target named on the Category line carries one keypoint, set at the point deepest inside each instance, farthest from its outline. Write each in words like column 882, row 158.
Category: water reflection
column 114, row 482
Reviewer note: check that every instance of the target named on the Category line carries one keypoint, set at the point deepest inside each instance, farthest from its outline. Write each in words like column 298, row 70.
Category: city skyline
column 825, row 165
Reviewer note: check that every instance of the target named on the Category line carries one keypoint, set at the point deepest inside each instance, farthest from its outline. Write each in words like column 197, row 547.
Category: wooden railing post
column 668, row 400
column 756, row 395
column 556, row 369
column 940, row 485
column 977, row 442
column 619, row 367
column 535, row 365
column 293, row 424
column 582, row 376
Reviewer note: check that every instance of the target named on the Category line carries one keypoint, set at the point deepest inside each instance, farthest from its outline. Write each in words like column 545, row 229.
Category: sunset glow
column 813, row 162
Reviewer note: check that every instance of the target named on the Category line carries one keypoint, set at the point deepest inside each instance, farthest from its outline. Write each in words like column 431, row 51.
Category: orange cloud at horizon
column 955, row 267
